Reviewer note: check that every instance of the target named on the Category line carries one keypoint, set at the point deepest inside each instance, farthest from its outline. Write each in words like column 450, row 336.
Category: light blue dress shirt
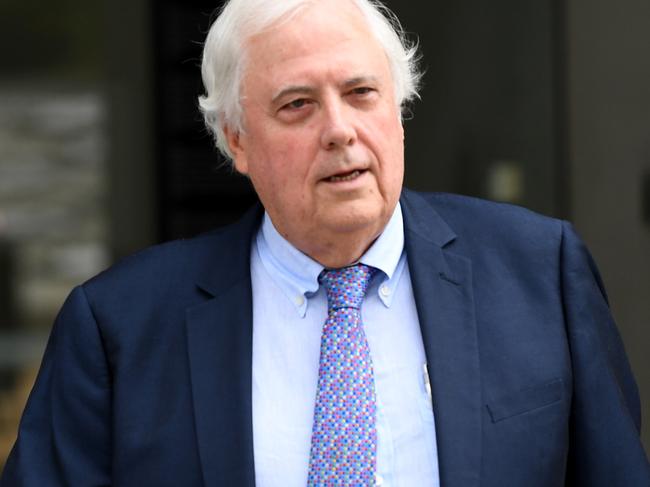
column 289, row 310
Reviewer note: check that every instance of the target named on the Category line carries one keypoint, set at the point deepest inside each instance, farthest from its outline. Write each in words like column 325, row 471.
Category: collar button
column 384, row 290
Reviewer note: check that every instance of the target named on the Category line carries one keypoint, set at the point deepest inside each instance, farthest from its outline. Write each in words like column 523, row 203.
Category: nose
column 338, row 130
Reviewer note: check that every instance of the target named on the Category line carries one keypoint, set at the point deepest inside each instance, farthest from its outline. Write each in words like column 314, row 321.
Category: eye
column 296, row 104
column 296, row 110
column 363, row 96
column 362, row 90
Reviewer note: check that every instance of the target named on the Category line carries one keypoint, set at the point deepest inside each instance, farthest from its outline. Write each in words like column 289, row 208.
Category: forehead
column 329, row 38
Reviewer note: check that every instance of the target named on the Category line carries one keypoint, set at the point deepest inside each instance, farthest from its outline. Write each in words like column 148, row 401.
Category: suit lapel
column 219, row 340
column 442, row 286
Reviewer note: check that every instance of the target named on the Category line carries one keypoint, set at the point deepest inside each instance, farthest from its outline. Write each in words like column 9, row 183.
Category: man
column 485, row 354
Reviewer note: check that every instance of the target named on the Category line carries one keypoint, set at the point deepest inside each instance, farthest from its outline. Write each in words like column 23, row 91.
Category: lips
column 344, row 177
column 347, row 176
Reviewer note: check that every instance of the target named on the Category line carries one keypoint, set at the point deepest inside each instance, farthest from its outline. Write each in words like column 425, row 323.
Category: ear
column 236, row 149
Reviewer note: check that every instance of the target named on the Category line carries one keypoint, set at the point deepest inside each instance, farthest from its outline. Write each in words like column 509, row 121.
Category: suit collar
column 228, row 248
column 219, row 341
column 421, row 219
column 442, row 288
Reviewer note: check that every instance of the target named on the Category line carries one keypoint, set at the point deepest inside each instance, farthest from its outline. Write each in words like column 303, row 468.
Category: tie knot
column 347, row 286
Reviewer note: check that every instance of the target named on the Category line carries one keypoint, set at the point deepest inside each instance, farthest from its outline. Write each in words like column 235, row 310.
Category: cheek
column 391, row 125
column 395, row 137
column 294, row 151
column 275, row 171
column 388, row 136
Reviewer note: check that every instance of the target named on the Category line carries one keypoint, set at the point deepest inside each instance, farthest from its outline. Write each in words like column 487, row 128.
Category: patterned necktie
column 344, row 436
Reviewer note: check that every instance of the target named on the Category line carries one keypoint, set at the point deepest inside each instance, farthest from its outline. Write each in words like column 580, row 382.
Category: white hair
column 223, row 55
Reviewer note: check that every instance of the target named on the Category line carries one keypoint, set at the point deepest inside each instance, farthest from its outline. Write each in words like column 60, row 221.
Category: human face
column 322, row 141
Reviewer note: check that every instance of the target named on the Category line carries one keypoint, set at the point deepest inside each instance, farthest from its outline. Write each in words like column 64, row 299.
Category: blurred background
column 543, row 103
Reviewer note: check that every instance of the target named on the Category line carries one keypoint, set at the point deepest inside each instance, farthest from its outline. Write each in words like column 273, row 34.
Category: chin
column 350, row 219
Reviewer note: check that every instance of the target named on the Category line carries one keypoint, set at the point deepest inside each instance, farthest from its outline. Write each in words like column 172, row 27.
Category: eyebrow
column 307, row 89
column 359, row 80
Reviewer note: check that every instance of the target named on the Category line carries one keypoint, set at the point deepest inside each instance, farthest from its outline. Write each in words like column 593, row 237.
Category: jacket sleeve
column 605, row 447
column 64, row 434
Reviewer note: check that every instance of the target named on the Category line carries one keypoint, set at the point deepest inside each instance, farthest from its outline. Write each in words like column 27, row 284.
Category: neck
column 339, row 252
column 334, row 246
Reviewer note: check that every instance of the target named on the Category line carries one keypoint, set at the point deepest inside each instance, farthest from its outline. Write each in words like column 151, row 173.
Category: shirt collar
column 387, row 255
column 385, row 252
column 297, row 274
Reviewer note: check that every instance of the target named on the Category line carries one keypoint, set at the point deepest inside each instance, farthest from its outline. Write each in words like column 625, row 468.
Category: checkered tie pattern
column 344, row 435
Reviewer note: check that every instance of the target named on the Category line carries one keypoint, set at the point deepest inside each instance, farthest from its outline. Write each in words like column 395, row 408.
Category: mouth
column 343, row 177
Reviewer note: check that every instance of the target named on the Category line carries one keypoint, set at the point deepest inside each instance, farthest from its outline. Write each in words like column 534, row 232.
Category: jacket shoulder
column 488, row 222
column 152, row 266
column 173, row 272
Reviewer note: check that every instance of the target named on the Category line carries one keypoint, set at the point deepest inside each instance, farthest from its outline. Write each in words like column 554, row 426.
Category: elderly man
column 352, row 333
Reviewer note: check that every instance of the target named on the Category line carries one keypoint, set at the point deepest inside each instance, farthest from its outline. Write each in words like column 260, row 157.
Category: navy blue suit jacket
column 146, row 380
